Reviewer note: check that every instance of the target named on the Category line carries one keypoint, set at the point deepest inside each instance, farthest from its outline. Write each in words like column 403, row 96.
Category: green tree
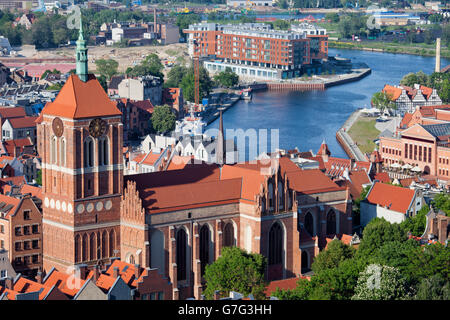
column 416, row 224
column 227, row 78
column 103, row 82
column 39, row 177
column 280, row 24
column 433, row 288
column 175, row 76
column 151, row 65
column 333, row 17
column 442, row 202
column 379, row 282
column 335, row 253
column 107, row 67
column 376, row 233
column 398, row 254
column 236, row 270
column 382, row 101
column 163, row 119
column 188, row 84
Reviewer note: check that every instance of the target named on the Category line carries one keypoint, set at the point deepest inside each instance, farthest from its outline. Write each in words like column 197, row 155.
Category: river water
column 305, row 119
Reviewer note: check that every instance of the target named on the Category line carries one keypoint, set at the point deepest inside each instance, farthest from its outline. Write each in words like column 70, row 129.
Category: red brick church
column 177, row 221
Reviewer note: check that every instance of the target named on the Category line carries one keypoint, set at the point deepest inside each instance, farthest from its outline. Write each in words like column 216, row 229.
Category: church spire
column 81, row 56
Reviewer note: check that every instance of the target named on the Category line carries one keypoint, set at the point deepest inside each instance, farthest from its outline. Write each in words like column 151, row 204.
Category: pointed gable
column 78, row 100
column 418, row 131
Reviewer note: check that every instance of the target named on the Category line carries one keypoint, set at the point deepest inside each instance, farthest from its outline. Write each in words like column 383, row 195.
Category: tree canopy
column 163, row 119
column 379, row 282
column 151, row 65
column 335, row 253
column 236, row 270
column 107, row 67
column 227, row 78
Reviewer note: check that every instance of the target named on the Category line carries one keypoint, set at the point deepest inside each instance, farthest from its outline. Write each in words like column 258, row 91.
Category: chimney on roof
column 220, row 142
column 438, row 55
column 9, row 283
column 96, row 273
column 137, row 268
column 39, row 277
column 115, row 272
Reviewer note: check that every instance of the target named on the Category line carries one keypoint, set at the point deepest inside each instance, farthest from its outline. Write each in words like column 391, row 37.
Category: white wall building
column 393, row 203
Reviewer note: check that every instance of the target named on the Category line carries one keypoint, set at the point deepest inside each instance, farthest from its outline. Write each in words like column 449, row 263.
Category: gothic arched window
column 89, row 152
column 77, row 248
column 112, row 242
column 204, row 247
column 181, row 254
column 104, row 245
column 331, row 222
column 62, row 152
column 53, row 150
column 92, row 247
column 280, row 195
column 309, row 224
column 84, row 248
column 275, row 244
column 103, row 151
column 228, row 239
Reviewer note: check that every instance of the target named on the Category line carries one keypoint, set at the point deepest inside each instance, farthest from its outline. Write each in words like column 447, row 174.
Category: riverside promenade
column 347, row 142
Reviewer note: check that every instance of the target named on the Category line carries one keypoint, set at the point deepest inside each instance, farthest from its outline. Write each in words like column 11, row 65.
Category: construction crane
column 196, row 62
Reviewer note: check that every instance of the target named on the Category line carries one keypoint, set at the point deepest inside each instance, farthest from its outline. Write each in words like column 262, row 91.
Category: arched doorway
column 331, row 222
column 309, row 224
column 426, row 170
column 204, row 247
column 181, row 239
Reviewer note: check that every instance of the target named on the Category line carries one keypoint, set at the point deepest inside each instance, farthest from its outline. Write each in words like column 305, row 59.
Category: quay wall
column 295, row 86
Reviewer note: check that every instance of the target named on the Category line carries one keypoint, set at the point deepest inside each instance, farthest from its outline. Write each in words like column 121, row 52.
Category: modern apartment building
column 255, row 50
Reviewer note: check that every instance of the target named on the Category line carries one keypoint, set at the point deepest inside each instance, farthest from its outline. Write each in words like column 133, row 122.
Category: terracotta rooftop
column 23, row 285
column 12, row 112
column 382, row 177
column 62, row 282
column 284, row 284
column 24, row 122
column 8, row 205
column 126, row 272
column 78, row 100
column 12, row 145
column 393, row 197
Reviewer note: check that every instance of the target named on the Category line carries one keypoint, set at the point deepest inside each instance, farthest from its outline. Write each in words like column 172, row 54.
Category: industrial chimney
column 438, row 55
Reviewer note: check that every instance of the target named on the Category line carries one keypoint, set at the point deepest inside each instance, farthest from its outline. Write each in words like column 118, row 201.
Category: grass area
column 363, row 132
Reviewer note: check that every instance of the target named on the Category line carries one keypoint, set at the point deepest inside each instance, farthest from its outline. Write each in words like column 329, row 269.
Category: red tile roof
column 10, row 202
column 63, row 282
column 284, row 284
column 405, row 120
column 382, row 177
column 393, row 197
column 12, row 112
column 35, row 191
column 126, row 272
column 147, row 158
column 78, row 99
column 25, row 122
column 12, row 145
column 23, row 285
column 344, row 238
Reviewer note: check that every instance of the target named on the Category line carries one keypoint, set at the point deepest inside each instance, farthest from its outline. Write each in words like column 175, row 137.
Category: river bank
column 388, row 47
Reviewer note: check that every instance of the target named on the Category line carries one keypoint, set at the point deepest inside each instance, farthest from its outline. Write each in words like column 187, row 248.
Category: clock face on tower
column 97, row 127
column 58, row 127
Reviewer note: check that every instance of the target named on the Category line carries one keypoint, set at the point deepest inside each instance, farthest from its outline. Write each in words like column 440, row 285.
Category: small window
column 35, row 258
column 26, row 230
column 18, row 246
column 18, row 231
column 35, row 228
column 26, row 245
column 2, row 228
column 26, row 214
column 35, row 244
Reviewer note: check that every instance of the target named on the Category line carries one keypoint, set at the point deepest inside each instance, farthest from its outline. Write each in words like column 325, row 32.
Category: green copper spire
column 82, row 58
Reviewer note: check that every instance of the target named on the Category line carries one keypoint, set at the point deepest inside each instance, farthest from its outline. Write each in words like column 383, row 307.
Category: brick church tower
column 80, row 142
